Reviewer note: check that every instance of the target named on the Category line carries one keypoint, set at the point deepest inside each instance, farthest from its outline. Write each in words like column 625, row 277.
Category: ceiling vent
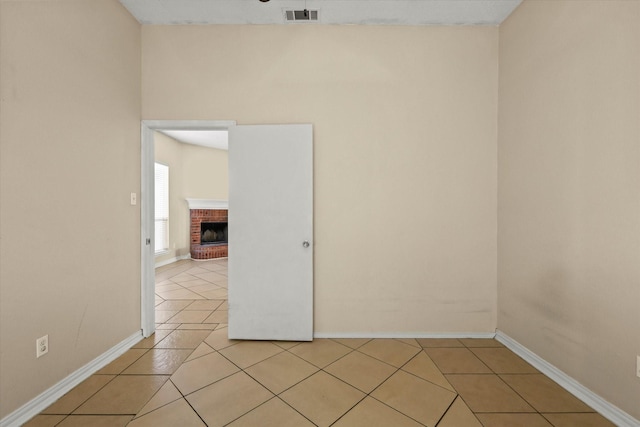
column 301, row 15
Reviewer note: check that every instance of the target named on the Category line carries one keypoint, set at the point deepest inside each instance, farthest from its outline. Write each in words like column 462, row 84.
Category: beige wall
column 70, row 157
column 206, row 172
column 405, row 155
column 194, row 172
column 569, row 186
column 168, row 151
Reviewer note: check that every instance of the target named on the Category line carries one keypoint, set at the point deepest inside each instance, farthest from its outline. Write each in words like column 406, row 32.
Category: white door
column 270, row 232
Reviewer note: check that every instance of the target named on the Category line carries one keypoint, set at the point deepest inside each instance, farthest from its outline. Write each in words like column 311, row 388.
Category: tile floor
column 189, row 374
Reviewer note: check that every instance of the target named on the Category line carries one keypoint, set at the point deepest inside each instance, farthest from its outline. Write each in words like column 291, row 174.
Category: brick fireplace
column 204, row 211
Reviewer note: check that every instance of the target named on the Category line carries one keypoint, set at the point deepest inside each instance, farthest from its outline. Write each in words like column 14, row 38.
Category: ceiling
column 206, row 138
column 332, row 12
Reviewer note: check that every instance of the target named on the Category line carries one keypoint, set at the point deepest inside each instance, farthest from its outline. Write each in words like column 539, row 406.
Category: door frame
column 147, row 208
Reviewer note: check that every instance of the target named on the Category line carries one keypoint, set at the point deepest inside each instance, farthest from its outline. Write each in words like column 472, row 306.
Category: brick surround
column 199, row 251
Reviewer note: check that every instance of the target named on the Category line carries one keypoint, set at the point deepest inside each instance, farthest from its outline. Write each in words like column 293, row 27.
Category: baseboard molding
column 46, row 398
column 172, row 260
column 605, row 408
column 403, row 335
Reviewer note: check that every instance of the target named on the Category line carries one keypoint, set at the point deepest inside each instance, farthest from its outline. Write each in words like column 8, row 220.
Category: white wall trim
column 172, row 260
column 207, row 204
column 46, row 398
column 403, row 335
column 605, row 408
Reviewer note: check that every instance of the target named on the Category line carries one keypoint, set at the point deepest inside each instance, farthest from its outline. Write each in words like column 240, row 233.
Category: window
column 162, row 207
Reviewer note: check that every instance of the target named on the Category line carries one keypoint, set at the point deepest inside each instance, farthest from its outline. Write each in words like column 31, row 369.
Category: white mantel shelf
column 207, row 204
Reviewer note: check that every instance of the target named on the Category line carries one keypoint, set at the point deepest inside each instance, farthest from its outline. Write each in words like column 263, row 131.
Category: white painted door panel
column 270, row 219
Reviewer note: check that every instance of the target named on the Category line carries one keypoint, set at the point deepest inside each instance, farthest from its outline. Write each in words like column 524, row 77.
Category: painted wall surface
column 69, row 159
column 168, row 151
column 569, row 186
column 194, row 172
column 206, row 172
column 405, row 163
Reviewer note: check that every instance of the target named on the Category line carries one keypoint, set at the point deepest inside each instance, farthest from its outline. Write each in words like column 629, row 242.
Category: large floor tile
column 198, row 284
column 582, row 420
column 422, row 366
column 184, row 277
column 459, row 415
column 123, row 362
column 322, row 398
column 488, row 393
column 183, row 339
column 44, row 421
column 208, row 304
column 544, row 394
column 353, row 343
column 514, row 420
column 320, row 352
column 390, row 351
column 201, row 372
column 154, row 339
column 281, row 371
column 439, row 342
column 198, row 326
column 218, row 316
column 125, row 394
column 361, row 371
column 202, row 350
column 158, row 361
column 228, row 399
column 96, row 421
column 177, row 413
column 503, row 361
column 168, row 393
column 190, row 316
column 457, row 361
column 214, row 294
column 219, row 339
column 78, row 395
column 173, row 305
column 247, row 353
column 415, row 397
column 273, row 413
column 212, row 277
column 165, row 315
column 371, row 412
column 181, row 293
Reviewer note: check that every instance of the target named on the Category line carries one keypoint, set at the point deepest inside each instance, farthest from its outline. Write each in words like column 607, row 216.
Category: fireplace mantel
column 207, row 204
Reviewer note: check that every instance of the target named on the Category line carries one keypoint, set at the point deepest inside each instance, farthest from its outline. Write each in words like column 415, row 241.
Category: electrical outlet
column 42, row 346
column 638, row 367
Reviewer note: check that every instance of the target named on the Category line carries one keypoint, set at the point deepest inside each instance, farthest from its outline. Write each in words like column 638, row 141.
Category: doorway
column 271, row 185
column 147, row 218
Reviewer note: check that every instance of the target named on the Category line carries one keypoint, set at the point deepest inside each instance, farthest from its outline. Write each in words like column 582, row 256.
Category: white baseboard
column 605, row 408
column 46, row 398
column 172, row 260
column 403, row 335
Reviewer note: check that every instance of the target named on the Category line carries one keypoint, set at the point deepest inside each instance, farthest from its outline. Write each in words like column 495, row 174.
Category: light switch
column 134, row 199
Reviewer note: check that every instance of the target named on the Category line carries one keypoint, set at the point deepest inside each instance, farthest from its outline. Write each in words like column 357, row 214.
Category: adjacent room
column 476, row 211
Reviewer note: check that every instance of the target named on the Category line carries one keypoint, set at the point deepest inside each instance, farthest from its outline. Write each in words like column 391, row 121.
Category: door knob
column 305, row 244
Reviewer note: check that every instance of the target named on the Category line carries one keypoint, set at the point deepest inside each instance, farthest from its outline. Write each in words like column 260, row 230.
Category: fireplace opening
column 213, row 233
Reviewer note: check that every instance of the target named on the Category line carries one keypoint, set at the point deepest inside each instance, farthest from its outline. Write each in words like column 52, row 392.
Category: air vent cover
column 301, row 15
